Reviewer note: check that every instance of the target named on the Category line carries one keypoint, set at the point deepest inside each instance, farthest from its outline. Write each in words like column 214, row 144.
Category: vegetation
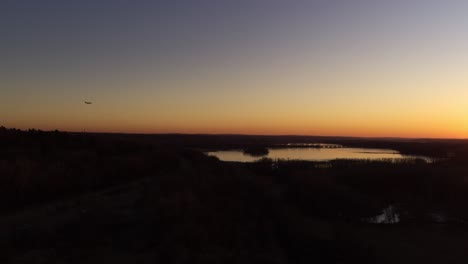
column 83, row 198
column 256, row 151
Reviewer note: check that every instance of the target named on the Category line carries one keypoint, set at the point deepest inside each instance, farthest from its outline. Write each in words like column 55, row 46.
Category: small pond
column 312, row 154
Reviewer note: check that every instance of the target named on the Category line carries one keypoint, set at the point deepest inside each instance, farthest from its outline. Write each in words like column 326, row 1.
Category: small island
column 256, row 151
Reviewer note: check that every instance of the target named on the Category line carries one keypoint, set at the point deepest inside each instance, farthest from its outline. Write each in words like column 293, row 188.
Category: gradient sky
column 333, row 67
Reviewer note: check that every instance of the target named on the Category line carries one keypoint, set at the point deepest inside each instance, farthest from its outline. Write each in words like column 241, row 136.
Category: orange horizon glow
column 268, row 131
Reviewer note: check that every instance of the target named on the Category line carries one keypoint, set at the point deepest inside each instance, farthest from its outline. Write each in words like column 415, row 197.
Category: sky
column 367, row 68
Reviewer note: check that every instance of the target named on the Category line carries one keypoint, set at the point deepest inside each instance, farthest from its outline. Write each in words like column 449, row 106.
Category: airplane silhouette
column 88, row 102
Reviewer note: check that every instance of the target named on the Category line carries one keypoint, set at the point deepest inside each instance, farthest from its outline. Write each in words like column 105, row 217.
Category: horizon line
column 248, row 135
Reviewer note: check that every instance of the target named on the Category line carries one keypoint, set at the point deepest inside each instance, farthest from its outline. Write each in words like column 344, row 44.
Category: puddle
column 388, row 216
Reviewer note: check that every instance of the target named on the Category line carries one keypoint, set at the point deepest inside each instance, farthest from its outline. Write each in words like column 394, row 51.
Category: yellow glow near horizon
column 264, row 106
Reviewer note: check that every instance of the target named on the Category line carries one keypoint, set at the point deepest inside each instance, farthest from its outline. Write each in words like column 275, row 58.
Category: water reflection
column 311, row 154
column 388, row 216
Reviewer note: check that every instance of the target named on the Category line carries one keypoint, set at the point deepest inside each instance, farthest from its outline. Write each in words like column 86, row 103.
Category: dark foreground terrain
column 106, row 198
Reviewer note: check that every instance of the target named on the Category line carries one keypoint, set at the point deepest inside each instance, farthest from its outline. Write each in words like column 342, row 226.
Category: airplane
column 86, row 102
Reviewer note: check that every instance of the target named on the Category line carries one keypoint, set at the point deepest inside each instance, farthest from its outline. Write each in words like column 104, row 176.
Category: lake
column 312, row 154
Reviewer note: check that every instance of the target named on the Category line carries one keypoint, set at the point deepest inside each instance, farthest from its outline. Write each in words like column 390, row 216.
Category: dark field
column 115, row 198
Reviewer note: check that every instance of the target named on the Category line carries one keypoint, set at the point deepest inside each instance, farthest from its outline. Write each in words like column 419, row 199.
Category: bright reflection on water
column 311, row 154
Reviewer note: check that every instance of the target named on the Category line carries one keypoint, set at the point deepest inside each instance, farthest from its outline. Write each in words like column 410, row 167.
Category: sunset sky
column 374, row 68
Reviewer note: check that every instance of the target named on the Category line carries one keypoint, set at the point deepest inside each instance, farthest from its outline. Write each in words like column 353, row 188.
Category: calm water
column 312, row 154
